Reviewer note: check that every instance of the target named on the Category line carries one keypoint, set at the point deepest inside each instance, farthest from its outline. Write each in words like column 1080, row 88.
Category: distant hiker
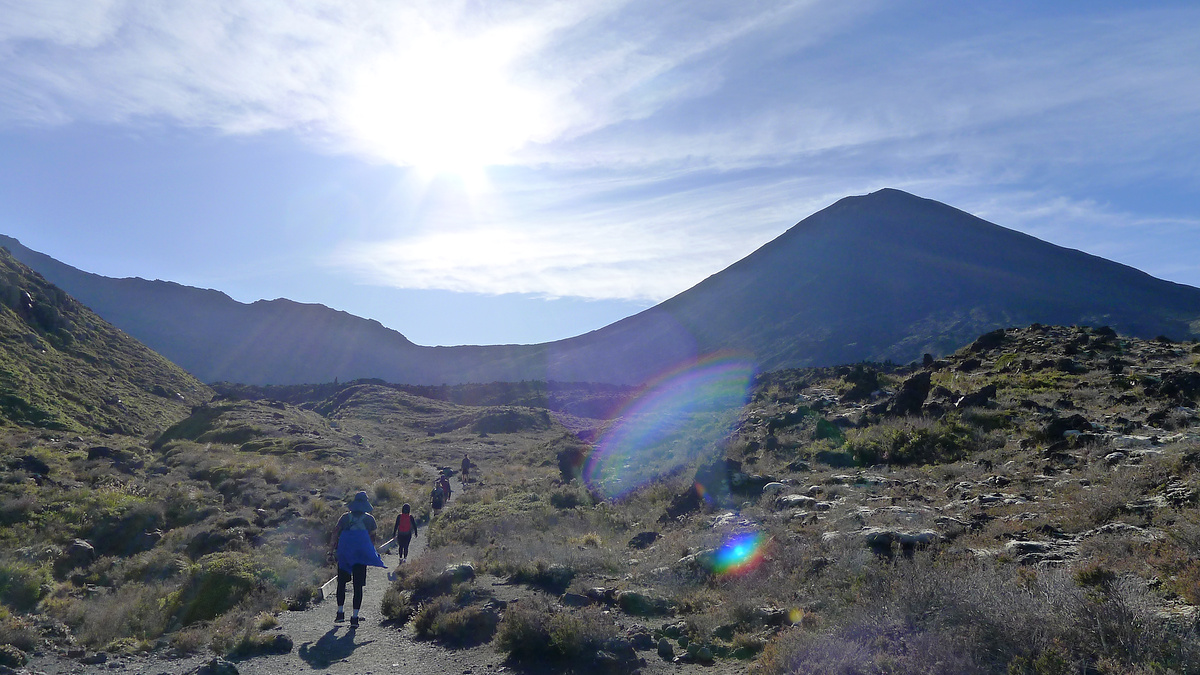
column 404, row 531
column 466, row 468
column 444, row 483
column 354, row 541
column 437, row 497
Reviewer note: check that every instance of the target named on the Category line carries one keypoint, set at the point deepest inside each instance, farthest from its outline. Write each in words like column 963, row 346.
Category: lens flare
column 657, row 432
column 739, row 554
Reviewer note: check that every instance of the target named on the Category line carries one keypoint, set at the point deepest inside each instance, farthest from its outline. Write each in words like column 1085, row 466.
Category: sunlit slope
column 62, row 367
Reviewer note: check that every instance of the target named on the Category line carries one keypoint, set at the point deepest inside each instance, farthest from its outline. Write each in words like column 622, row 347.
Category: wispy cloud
column 649, row 144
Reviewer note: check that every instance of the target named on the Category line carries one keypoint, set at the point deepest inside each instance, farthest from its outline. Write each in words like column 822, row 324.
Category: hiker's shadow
column 330, row 648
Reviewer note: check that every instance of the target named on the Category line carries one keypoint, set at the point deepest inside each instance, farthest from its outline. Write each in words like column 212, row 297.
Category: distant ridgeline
column 883, row 277
column 62, row 367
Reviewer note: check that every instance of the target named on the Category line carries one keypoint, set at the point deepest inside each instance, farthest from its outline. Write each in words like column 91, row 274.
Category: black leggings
column 359, row 576
column 402, row 541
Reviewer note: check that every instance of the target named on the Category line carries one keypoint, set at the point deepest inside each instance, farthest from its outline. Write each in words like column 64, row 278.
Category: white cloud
column 660, row 141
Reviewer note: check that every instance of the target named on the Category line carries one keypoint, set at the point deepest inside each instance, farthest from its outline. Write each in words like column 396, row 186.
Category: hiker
column 404, row 531
column 466, row 468
column 354, row 541
column 437, row 497
column 444, row 483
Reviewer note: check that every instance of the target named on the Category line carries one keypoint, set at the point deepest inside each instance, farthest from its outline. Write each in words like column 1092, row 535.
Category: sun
column 445, row 106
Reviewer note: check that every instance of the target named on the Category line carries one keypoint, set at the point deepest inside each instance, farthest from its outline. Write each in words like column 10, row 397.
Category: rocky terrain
column 1026, row 504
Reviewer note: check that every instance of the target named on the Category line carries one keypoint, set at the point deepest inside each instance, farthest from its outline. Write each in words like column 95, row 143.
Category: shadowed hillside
column 886, row 276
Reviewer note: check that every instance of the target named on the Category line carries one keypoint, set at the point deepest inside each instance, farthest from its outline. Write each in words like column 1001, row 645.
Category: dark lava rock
column 977, row 399
column 643, row 539
column 911, row 396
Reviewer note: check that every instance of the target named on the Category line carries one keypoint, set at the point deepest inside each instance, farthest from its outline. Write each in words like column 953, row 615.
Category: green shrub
column 534, row 631
column 446, row 620
column 219, row 582
column 524, row 634
column 911, row 442
column 21, row 585
column 396, row 605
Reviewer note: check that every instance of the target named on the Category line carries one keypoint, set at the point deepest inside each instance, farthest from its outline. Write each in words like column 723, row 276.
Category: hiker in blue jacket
column 354, row 541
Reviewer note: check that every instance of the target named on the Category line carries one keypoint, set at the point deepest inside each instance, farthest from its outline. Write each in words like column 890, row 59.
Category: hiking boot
column 341, row 616
column 353, row 621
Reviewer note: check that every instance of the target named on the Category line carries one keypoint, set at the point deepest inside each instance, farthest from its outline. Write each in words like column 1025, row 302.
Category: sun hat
column 360, row 503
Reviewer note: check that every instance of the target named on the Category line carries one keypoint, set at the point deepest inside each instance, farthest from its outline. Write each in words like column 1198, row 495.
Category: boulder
column 883, row 541
column 795, row 502
column 458, row 573
column 79, row 554
column 643, row 539
column 642, row 604
column 911, row 397
column 773, row 488
column 574, row 600
column 666, row 650
column 977, row 399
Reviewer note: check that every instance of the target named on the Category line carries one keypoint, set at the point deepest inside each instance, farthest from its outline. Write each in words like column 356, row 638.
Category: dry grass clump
column 536, row 631
column 941, row 615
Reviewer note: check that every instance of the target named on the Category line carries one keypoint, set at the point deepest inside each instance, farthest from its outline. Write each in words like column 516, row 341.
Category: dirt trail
column 375, row 646
column 321, row 645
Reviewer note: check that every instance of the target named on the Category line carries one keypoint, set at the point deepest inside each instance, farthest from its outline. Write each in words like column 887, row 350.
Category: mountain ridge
column 883, row 276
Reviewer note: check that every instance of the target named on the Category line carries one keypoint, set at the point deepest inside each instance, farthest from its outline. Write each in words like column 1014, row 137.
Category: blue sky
column 491, row 172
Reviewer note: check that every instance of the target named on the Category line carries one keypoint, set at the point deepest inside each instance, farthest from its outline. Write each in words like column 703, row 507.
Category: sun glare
column 445, row 106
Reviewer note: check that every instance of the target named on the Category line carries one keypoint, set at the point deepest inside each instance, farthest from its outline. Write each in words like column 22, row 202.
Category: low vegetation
column 1025, row 505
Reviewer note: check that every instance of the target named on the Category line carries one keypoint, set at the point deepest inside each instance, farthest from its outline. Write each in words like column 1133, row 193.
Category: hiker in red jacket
column 404, row 531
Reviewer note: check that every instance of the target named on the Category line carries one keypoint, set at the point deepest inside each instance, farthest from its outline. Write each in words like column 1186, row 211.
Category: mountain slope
column 62, row 367
column 883, row 276
column 891, row 276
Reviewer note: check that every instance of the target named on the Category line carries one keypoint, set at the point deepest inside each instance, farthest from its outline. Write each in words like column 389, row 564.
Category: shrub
column 132, row 609
column 396, row 605
column 447, row 620
column 18, row 634
column 219, row 582
column 524, row 634
column 534, row 631
column 21, row 585
column 911, row 442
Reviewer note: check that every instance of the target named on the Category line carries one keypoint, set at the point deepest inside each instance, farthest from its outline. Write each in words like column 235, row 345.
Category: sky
column 471, row 172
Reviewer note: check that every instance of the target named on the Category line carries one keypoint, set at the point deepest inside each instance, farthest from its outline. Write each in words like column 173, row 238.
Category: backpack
column 438, row 498
column 404, row 524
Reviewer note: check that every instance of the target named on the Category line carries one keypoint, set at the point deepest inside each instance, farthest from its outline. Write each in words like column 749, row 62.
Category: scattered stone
column 217, row 666
column 94, row 659
column 795, row 502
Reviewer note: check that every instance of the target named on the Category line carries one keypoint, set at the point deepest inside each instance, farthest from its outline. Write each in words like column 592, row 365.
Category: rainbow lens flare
column 651, row 436
column 739, row 554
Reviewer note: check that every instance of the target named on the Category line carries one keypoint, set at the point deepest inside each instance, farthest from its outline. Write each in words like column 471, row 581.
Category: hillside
column 1027, row 504
column 885, row 276
column 64, row 368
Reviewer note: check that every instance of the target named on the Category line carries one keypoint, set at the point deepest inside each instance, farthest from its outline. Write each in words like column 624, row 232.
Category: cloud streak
column 646, row 144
